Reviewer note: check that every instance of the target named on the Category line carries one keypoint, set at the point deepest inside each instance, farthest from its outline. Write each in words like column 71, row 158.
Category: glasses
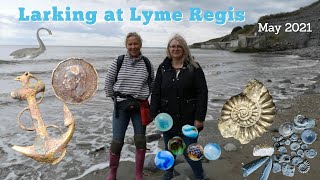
column 176, row 47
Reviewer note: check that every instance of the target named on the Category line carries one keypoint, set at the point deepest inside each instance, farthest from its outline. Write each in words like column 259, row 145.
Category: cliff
column 294, row 40
column 269, row 41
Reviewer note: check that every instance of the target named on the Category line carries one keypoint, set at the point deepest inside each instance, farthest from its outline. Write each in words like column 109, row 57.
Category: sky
column 103, row 33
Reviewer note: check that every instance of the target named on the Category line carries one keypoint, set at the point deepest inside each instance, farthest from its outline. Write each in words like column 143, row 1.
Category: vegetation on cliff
column 284, row 40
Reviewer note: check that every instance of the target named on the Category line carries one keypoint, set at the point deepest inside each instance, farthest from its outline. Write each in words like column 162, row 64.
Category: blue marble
column 164, row 160
column 163, row 122
column 190, row 131
column 212, row 151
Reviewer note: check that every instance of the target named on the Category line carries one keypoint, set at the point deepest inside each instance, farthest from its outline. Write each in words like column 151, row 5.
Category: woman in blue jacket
column 180, row 90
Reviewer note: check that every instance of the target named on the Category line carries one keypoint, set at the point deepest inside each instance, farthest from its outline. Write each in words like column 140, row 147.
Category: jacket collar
column 167, row 63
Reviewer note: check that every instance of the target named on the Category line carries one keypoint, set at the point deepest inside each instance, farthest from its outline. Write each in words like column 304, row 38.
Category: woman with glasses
column 180, row 90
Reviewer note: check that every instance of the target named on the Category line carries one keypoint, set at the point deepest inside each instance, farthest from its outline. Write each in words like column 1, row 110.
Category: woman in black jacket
column 180, row 90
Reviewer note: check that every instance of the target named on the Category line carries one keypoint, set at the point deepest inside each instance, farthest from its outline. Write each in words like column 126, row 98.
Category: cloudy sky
column 102, row 33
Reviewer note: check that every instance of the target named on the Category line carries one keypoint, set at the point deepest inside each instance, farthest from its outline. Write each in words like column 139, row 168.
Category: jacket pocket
column 190, row 106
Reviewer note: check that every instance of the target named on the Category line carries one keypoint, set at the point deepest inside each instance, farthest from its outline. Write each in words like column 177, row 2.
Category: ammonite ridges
column 247, row 116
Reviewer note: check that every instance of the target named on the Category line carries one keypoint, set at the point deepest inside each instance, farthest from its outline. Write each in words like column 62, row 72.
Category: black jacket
column 185, row 98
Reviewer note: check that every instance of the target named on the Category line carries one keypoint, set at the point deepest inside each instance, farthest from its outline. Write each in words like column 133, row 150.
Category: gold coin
column 74, row 81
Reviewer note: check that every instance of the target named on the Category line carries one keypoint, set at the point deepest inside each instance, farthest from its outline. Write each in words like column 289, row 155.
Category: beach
column 229, row 165
column 227, row 73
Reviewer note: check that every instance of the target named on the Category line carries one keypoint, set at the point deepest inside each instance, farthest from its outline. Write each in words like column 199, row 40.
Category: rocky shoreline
column 229, row 165
column 251, row 37
column 310, row 52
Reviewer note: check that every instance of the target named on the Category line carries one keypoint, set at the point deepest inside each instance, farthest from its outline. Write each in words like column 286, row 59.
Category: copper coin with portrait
column 74, row 81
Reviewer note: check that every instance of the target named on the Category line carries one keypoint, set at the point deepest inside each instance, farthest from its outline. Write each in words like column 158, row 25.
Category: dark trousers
column 120, row 124
column 196, row 166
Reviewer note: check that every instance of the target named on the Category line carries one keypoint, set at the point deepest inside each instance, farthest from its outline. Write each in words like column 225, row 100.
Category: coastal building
column 242, row 42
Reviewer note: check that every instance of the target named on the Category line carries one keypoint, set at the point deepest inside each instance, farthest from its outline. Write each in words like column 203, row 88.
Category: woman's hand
column 198, row 124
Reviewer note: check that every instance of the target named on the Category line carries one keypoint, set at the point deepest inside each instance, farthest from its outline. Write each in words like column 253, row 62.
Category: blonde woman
column 129, row 83
column 180, row 90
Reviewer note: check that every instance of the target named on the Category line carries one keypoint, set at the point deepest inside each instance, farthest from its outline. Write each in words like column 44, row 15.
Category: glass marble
column 164, row 160
column 176, row 145
column 190, row 131
column 163, row 122
column 212, row 151
column 195, row 151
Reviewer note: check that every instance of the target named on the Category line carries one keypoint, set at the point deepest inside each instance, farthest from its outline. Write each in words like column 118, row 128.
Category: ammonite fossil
column 304, row 167
column 286, row 129
column 247, row 116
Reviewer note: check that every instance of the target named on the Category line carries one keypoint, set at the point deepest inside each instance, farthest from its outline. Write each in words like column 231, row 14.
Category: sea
column 227, row 73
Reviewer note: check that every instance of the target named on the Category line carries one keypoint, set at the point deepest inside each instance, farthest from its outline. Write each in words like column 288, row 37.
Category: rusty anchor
column 45, row 148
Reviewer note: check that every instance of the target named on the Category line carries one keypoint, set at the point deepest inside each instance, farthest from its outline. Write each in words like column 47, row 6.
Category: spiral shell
column 282, row 142
column 282, row 150
column 276, row 167
column 276, row 145
column 288, row 170
column 301, row 123
column 294, row 146
column 296, row 160
column 311, row 153
column 277, row 139
column 294, row 137
column 248, row 115
column 300, row 153
column 287, row 142
column 304, row 146
column 293, row 153
column 276, row 157
column 298, row 119
column 304, row 167
column 285, row 158
column 286, row 129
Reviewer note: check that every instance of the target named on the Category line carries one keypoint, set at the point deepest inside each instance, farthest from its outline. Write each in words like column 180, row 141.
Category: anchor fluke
column 45, row 149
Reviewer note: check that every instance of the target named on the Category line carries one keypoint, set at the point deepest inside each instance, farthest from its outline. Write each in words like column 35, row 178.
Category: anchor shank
column 38, row 123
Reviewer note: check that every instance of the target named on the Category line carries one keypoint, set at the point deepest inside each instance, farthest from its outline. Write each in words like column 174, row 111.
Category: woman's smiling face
column 175, row 49
column 133, row 46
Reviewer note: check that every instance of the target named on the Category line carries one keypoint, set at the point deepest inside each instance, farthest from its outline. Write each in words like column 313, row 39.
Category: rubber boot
column 140, row 154
column 113, row 166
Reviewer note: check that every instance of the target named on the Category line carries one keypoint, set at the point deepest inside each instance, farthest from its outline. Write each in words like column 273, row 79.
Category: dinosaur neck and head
column 41, row 45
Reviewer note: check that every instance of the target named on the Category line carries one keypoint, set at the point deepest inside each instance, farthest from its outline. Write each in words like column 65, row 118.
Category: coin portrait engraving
column 74, row 81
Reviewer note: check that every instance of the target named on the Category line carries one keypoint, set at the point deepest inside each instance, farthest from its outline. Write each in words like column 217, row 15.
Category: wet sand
column 229, row 165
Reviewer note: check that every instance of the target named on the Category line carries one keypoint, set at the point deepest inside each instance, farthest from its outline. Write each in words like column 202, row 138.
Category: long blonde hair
column 186, row 57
